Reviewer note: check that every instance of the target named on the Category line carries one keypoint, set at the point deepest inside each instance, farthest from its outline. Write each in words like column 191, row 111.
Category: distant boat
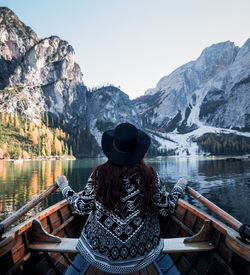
column 195, row 243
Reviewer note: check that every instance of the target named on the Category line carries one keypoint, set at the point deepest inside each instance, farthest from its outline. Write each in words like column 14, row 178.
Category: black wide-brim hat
column 125, row 145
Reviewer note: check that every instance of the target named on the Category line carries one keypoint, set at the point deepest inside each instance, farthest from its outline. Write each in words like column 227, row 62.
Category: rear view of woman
column 123, row 198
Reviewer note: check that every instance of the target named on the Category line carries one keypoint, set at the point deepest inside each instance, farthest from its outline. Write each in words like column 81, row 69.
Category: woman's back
column 123, row 198
column 125, row 238
column 111, row 182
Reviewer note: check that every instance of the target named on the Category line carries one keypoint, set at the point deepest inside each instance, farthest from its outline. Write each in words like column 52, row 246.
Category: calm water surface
column 225, row 183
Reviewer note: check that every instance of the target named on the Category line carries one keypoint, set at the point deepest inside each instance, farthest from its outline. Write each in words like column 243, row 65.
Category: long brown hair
column 107, row 179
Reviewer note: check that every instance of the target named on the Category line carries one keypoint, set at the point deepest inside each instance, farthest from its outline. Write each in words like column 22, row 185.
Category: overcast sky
column 133, row 43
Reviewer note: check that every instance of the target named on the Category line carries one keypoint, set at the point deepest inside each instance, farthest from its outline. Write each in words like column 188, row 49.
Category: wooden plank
column 234, row 243
column 203, row 216
column 59, row 228
column 18, row 253
column 91, row 270
column 6, row 244
column 19, row 263
column 181, row 224
column 173, row 245
column 143, row 271
column 190, row 220
column 177, row 245
column 44, row 223
column 152, row 270
column 180, row 212
column 54, row 219
column 67, row 245
column 100, row 272
column 65, row 212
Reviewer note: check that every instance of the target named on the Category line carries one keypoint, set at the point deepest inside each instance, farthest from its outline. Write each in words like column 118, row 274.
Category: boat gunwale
column 223, row 228
column 217, row 224
column 22, row 227
column 231, row 235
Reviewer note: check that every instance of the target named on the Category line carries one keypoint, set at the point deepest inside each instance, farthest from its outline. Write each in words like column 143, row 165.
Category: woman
column 124, row 198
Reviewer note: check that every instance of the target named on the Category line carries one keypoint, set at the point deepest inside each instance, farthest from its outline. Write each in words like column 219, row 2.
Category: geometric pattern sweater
column 123, row 240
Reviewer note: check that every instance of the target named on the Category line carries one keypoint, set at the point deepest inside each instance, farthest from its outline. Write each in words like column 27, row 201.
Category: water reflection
column 22, row 182
column 225, row 183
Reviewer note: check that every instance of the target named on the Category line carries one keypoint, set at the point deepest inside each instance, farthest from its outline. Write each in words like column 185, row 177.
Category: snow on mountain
column 226, row 103
column 210, row 94
column 185, row 144
column 169, row 106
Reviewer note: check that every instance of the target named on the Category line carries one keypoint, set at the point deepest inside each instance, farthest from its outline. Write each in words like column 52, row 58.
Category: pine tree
column 7, row 117
column 30, row 152
column 48, row 146
column 57, row 146
column 47, row 119
column 63, row 147
column 34, row 136
column 21, row 131
column 17, row 122
column 3, row 117
column 19, row 151
column 43, row 152
column 12, row 120
column 5, row 149
column 31, row 126
column 66, row 149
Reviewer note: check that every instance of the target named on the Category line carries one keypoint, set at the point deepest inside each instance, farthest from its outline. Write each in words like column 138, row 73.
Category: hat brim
column 125, row 158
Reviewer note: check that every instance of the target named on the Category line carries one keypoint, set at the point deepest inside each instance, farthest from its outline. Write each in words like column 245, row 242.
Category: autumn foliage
column 40, row 139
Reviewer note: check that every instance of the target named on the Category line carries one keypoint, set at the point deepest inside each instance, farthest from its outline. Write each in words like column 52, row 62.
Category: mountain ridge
column 41, row 76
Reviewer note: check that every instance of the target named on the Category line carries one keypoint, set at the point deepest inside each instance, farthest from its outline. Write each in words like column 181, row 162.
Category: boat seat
column 172, row 245
column 44, row 241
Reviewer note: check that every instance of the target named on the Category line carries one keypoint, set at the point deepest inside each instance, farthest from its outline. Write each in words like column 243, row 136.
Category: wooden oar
column 244, row 229
column 19, row 213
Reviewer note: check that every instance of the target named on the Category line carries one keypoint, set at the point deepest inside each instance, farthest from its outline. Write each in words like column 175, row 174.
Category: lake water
column 226, row 183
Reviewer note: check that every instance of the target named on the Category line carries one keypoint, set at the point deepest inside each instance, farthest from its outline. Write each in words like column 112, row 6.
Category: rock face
column 175, row 102
column 39, row 75
column 205, row 95
column 227, row 102
column 16, row 40
column 108, row 106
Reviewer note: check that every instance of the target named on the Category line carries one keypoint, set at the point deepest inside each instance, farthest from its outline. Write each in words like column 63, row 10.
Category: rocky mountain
column 39, row 75
column 190, row 88
column 106, row 107
column 227, row 102
column 210, row 94
column 16, row 40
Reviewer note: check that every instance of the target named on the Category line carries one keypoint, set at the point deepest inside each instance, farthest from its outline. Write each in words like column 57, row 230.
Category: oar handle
column 19, row 213
column 224, row 215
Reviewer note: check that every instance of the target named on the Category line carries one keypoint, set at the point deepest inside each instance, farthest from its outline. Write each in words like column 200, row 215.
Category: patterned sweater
column 124, row 240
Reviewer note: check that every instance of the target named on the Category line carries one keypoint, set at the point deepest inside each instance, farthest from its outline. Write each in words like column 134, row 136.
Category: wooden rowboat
column 195, row 243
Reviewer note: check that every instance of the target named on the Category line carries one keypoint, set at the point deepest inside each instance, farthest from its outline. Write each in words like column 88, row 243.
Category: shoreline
column 40, row 158
column 211, row 157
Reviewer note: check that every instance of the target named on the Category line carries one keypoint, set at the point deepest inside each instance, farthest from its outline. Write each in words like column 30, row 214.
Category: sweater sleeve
column 84, row 203
column 163, row 203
